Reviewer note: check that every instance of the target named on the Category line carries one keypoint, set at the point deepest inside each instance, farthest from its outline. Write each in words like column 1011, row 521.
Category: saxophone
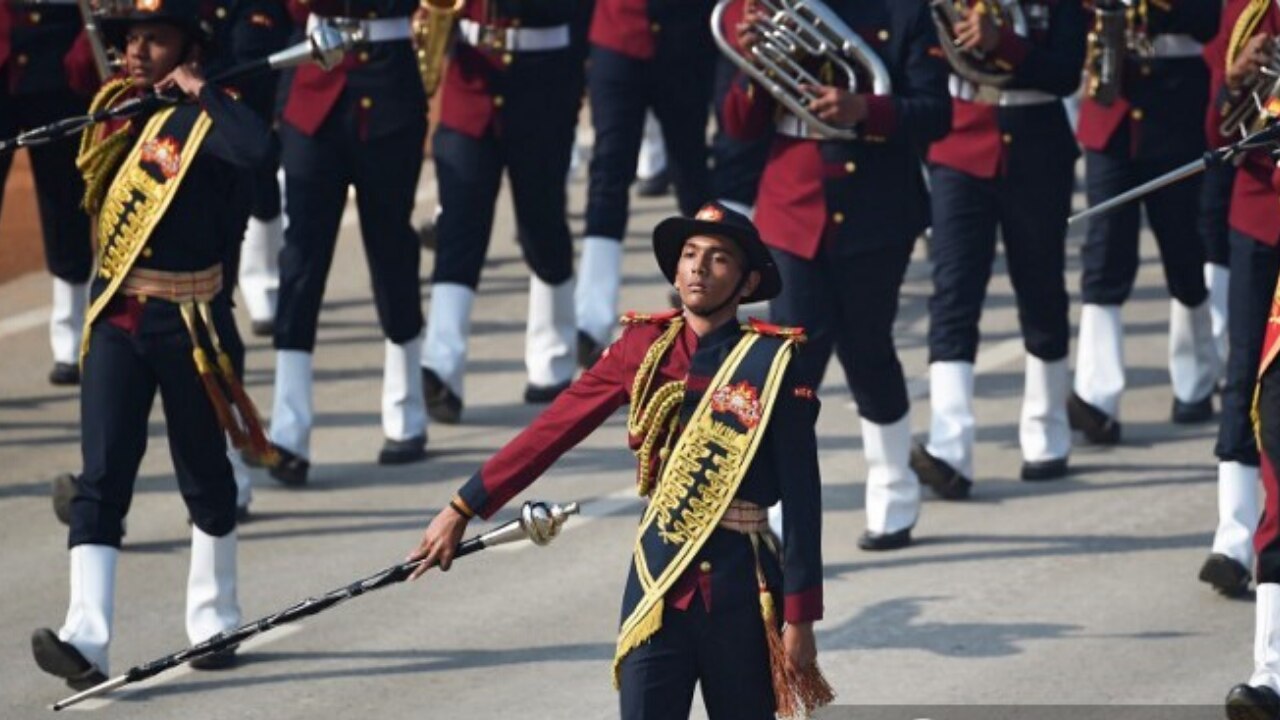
column 1119, row 29
column 432, row 27
column 972, row 65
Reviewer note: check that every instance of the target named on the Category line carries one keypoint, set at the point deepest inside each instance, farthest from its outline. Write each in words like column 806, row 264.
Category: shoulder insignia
column 761, row 327
column 658, row 318
column 262, row 19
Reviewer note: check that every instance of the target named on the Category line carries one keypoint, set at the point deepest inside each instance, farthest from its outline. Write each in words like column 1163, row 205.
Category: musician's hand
column 836, row 106
column 745, row 32
column 439, row 542
column 977, row 31
column 185, row 77
column 800, row 646
column 1253, row 56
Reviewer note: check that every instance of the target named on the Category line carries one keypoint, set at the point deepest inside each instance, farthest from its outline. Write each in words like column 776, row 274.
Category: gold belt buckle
column 494, row 38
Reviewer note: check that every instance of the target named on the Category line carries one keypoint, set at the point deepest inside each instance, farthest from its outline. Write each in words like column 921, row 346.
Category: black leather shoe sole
column 885, row 541
column 64, row 489
column 63, row 660
column 540, row 395
column 289, row 470
column 220, row 660
column 402, row 452
column 263, row 328
column 940, row 477
column 442, row 405
column 656, row 186
column 64, row 374
column 1098, row 427
column 1226, row 575
column 1245, row 702
column 1191, row 413
column 589, row 351
column 1044, row 470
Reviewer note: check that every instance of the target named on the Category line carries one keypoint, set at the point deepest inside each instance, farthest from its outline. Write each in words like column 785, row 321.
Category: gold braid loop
column 100, row 156
column 648, row 418
column 1245, row 27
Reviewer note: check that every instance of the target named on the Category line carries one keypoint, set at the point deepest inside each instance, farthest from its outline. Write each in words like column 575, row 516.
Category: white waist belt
column 377, row 30
column 533, row 39
column 1176, row 46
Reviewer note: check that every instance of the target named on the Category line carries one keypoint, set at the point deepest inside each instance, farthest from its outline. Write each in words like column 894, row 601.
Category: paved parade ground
column 1079, row 591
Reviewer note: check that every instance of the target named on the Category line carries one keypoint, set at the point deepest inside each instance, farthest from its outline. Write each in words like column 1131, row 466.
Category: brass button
column 663, row 453
column 142, row 299
column 373, row 15
column 1145, row 70
column 883, row 35
column 1007, row 139
column 1136, row 113
column 655, row 27
column 497, row 101
column 34, row 18
column 837, row 217
column 221, row 13
column 507, row 58
column 850, row 167
column 22, row 59
column 364, row 57
column 705, row 566
column 515, row 22
column 146, row 252
column 366, row 102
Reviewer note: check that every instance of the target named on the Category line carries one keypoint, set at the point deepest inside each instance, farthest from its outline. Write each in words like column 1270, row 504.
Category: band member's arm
column 580, row 409
column 238, row 135
column 1197, row 18
column 919, row 110
column 261, row 28
column 748, row 109
column 1054, row 65
column 796, row 449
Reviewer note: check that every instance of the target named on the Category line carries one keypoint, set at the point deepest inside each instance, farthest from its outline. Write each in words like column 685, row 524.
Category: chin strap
column 735, row 296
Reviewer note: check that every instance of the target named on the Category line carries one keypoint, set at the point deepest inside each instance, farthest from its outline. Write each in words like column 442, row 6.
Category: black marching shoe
column 1190, row 413
column 1226, row 575
column 64, row 489
column 656, row 186
column 402, row 452
column 885, row 541
column 589, row 351
column 290, row 470
column 220, row 660
column 64, row 660
column 442, row 404
column 263, row 328
column 1246, row 702
column 1098, row 427
column 64, row 374
column 945, row 481
column 543, row 394
column 1041, row 470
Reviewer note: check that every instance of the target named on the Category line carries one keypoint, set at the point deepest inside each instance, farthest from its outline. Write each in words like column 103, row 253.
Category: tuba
column 1119, row 29
column 1258, row 104
column 793, row 32
column 432, row 27
column 972, row 65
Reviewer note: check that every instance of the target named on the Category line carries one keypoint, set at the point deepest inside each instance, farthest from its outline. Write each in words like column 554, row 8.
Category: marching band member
column 361, row 124
column 841, row 218
column 160, row 190
column 1008, row 162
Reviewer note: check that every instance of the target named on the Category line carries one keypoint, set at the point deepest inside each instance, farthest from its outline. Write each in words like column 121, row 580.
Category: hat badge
column 710, row 213
column 148, row 6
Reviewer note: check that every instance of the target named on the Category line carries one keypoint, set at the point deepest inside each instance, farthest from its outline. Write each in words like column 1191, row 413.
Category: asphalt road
column 1081, row 591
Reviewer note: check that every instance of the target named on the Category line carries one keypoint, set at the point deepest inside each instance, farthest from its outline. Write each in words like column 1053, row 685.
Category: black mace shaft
column 538, row 523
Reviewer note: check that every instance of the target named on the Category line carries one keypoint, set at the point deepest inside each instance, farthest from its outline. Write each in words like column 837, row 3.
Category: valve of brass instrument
column 432, row 27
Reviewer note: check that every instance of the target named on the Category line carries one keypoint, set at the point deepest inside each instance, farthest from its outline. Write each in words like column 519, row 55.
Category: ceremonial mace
column 538, row 523
column 1266, row 137
column 325, row 46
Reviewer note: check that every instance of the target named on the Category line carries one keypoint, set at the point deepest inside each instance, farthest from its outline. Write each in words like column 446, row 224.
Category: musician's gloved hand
column 1255, row 55
column 439, row 542
column 836, row 105
column 977, row 31
column 185, row 78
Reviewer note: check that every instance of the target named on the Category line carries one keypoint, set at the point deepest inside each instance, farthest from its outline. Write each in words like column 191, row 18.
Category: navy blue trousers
column 724, row 651
column 1254, row 268
column 1031, row 213
column 122, row 373
column 318, row 171
column 1110, row 253
column 1215, row 205
column 621, row 89
column 847, row 304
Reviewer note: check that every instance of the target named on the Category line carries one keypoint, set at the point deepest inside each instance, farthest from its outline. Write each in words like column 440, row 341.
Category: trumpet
column 972, row 65
column 432, row 26
column 791, row 33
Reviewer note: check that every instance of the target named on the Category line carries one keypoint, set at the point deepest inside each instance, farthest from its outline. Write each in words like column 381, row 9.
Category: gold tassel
column 216, row 397
column 639, row 635
column 255, row 436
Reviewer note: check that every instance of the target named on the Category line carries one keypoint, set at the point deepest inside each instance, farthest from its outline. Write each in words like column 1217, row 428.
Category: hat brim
column 670, row 235
column 115, row 29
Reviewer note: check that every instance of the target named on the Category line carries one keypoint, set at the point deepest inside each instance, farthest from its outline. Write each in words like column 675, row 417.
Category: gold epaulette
column 761, row 327
column 659, row 318
column 101, row 154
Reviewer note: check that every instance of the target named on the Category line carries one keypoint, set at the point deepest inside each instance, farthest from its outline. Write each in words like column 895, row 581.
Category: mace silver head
column 329, row 43
column 539, row 522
